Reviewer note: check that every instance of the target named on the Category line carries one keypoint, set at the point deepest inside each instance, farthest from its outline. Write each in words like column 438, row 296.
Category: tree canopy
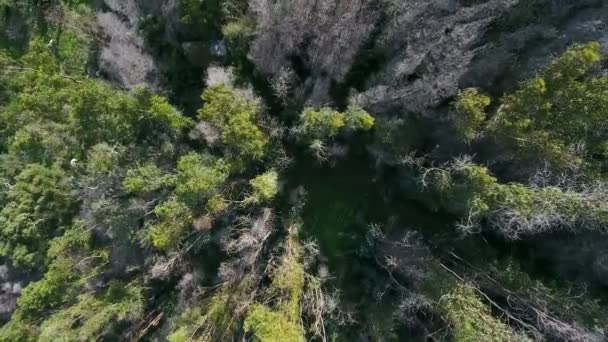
column 236, row 170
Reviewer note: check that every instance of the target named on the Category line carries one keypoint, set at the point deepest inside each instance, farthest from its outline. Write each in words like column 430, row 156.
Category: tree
column 471, row 192
column 44, row 142
column 40, row 205
column 237, row 119
column 160, row 111
column 358, row 119
column 471, row 320
column 470, row 108
column 174, row 219
column 72, row 260
column 92, row 317
column 269, row 326
column 146, row 178
column 199, row 176
column 282, row 323
column 104, row 159
column 99, row 113
column 318, row 127
column 326, row 123
column 216, row 319
column 265, row 187
column 564, row 107
column 321, row 123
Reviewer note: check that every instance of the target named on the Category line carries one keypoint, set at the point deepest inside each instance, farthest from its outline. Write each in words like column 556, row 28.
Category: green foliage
column 466, row 188
column 37, row 90
column 237, row 118
column 471, row 320
column 214, row 322
column 238, row 29
column 471, row 192
column 216, row 204
column 326, row 123
column 322, row 123
column 146, row 178
column 470, row 106
column 556, row 296
column 185, row 325
column 283, row 323
column 269, row 326
column 102, row 114
column 91, row 176
column 92, row 317
column 174, row 219
column 73, row 49
column 573, row 64
column 75, row 239
column 207, row 18
column 398, row 135
column 46, row 294
column 103, row 158
column 265, row 187
column 288, row 279
column 200, row 176
column 358, row 119
column 316, row 126
column 62, row 278
column 44, row 142
column 39, row 205
column 16, row 330
column 561, row 107
column 10, row 166
column 50, row 107
column 161, row 111
column 195, row 13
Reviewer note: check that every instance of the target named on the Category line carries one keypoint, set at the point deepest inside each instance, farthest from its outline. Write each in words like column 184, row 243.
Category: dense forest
column 329, row 170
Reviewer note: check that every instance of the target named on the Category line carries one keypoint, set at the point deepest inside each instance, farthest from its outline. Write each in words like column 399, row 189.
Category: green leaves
column 237, row 118
column 50, row 292
column 39, row 205
column 174, row 219
column 358, row 119
column 326, row 123
column 317, row 126
column 93, row 315
column 269, row 326
column 563, row 106
column 288, row 281
column 160, row 112
column 61, row 280
column 146, row 178
column 102, row 114
column 573, row 64
column 44, row 142
column 199, row 176
column 321, row 123
column 471, row 320
column 470, row 106
column 265, row 187
column 104, row 159
column 471, row 192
